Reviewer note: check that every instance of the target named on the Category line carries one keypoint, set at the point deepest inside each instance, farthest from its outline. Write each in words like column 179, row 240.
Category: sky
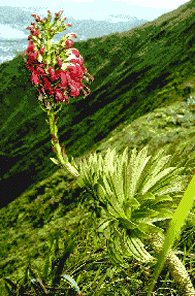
column 94, row 9
column 100, row 9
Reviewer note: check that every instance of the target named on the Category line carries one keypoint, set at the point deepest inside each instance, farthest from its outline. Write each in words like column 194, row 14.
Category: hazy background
column 89, row 19
column 100, row 9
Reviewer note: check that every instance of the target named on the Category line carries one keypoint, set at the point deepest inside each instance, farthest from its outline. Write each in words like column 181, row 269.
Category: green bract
column 134, row 191
column 51, row 49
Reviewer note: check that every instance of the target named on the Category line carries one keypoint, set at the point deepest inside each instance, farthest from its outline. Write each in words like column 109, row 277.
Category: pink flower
column 59, row 61
column 75, row 52
column 57, row 14
column 37, row 17
column 69, row 43
column 64, row 81
column 69, row 79
column 31, row 46
column 42, row 50
column 52, row 74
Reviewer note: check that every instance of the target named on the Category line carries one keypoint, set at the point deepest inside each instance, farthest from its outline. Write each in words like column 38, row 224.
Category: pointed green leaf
column 145, row 198
column 140, row 246
column 143, row 213
column 126, row 224
column 55, row 160
column 140, row 162
column 157, row 178
column 158, row 202
column 127, row 209
column 73, row 163
column 159, row 165
column 115, row 186
column 145, row 228
column 163, row 215
column 133, row 203
column 136, row 247
column 131, row 248
column 115, row 211
column 103, row 224
column 72, row 281
column 115, row 248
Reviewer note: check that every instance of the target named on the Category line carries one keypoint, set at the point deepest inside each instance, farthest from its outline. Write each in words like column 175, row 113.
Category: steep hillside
column 134, row 72
column 143, row 92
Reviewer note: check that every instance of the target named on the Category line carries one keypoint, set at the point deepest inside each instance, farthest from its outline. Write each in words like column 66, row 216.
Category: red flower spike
column 59, row 61
column 73, row 35
column 42, row 50
column 70, row 79
column 76, row 52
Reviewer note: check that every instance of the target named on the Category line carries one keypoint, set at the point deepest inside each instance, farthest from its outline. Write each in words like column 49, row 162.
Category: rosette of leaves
column 134, row 190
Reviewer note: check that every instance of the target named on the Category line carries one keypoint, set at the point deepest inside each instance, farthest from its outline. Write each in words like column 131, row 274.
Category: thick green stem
column 62, row 159
column 176, row 267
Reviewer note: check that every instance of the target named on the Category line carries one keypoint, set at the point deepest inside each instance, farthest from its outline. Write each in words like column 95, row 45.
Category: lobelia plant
column 134, row 195
column 134, row 191
column 57, row 72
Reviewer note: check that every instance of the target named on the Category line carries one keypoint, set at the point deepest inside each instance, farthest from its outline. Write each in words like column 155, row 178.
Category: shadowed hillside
column 143, row 93
column 134, row 72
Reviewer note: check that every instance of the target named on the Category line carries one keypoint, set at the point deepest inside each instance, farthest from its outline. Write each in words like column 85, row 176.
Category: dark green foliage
column 130, row 71
column 134, row 73
column 186, row 92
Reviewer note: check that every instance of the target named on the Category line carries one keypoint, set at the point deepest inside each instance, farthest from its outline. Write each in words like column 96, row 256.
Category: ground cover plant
column 31, row 223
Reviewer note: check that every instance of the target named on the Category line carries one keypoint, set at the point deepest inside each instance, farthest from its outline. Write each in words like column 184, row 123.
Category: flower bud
column 39, row 58
column 56, row 71
column 64, row 66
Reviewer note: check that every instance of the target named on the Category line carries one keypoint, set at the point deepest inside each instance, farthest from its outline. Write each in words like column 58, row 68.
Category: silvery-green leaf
column 144, row 229
column 157, row 178
column 72, row 281
column 143, row 213
column 136, row 248
column 133, row 188
column 146, row 198
column 126, row 224
column 55, row 160
column 73, row 163
column 158, row 199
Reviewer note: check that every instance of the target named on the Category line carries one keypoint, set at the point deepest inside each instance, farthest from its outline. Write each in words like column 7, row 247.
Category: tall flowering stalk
column 134, row 190
column 57, row 73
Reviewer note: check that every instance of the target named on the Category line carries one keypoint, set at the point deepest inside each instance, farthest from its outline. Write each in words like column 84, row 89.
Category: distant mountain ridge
column 87, row 27
column 19, row 19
